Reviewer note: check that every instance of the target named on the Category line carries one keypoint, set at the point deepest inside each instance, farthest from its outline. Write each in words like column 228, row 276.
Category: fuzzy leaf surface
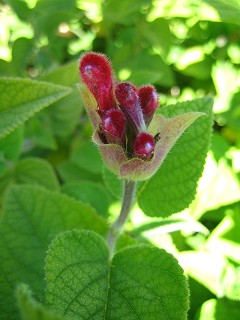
column 32, row 217
column 143, row 283
column 173, row 187
column 20, row 99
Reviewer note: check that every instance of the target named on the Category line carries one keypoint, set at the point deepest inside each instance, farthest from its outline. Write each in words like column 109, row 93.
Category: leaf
column 20, row 99
column 30, row 309
column 217, row 187
column 139, row 283
column 11, row 145
column 173, row 187
column 123, row 12
column 218, row 310
column 89, row 192
column 65, row 114
column 228, row 10
column 66, row 75
column 112, row 182
column 69, row 171
column 32, row 217
column 39, row 133
column 225, row 238
column 152, row 31
column 87, row 157
column 36, row 171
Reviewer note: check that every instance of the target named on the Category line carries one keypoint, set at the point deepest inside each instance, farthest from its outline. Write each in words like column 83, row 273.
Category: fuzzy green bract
column 140, row 282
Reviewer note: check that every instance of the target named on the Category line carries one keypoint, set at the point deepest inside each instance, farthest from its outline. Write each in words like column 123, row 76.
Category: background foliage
column 189, row 50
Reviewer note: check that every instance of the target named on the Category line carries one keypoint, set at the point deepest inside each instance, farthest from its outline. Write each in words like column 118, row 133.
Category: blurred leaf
column 36, row 171
column 158, row 34
column 169, row 225
column 225, row 79
column 106, row 289
column 66, row 75
column 123, row 12
column 173, row 187
column 11, row 145
column 199, row 294
column 21, row 98
column 39, row 132
column 87, row 157
column 32, row 218
column 112, row 182
column 47, row 15
column 217, row 187
column 193, row 62
column 21, row 52
column 225, row 238
column 206, row 267
column 146, row 68
column 21, row 8
column 30, row 309
column 69, row 171
column 232, row 115
column 229, row 11
column 90, row 193
column 65, row 114
column 218, row 310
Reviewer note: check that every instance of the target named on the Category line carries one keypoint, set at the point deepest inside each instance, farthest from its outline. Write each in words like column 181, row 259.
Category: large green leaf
column 139, row 283
column 173, row 187
column 20, row 99
column 32, row 217
column 32, row 310
column 37, row 172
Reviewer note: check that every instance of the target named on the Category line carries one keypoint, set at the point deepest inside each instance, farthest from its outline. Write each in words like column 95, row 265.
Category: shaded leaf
column 36, row 171
column 30, row 309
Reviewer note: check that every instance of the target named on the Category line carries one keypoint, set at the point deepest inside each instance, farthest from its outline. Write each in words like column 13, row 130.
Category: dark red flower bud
column 96, row 73
column 114, row 126
column 149, row 101
column 129, row 102
column 144, row 146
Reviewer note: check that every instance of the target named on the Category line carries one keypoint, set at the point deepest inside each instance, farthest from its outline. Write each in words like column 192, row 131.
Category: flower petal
column 113, row 154
column 90, row 104
column 169, row 131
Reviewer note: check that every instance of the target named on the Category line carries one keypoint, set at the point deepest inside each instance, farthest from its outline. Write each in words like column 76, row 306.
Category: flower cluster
column 133, row 141
column 125, row 110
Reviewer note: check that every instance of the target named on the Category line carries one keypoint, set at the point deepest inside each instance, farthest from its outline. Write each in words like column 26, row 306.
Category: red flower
column 132, row 140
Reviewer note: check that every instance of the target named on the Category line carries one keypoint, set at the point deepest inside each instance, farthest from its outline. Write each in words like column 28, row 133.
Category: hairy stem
column 127, row 202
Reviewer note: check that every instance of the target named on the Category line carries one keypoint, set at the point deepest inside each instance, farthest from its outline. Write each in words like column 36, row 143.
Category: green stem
column 127, row 202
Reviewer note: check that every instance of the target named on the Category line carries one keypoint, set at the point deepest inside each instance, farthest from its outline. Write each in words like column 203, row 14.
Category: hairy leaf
column 139, row 283
column 173, row 187
column 20, row 99
column 32, row 217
